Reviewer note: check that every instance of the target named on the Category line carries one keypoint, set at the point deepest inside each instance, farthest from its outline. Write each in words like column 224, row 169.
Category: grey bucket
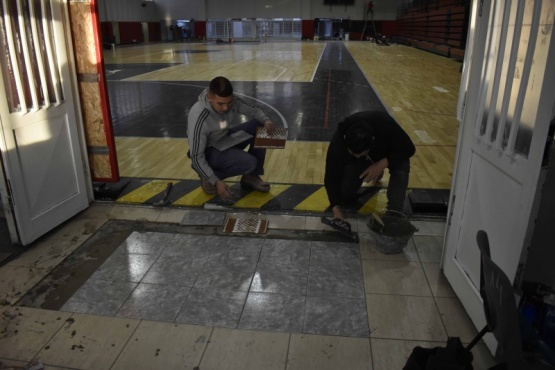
column 391, row 232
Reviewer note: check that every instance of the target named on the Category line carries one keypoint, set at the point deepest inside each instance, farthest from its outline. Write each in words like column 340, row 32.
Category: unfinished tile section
column 297, row 286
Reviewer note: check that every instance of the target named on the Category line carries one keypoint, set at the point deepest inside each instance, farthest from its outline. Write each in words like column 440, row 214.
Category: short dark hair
column 359, row 137
column 221, row 86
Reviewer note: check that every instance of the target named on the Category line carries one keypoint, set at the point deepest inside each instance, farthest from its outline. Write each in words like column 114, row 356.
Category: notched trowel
column 347, row 232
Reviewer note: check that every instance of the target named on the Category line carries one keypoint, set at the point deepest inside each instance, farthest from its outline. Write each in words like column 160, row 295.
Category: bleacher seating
column 438, row 26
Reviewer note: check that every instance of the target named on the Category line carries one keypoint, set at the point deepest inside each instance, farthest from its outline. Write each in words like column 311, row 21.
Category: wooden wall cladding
column 92, row 91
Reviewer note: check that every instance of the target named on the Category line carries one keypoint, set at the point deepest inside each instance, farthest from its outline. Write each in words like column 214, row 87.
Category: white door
column 507, row 108
column 43, row 164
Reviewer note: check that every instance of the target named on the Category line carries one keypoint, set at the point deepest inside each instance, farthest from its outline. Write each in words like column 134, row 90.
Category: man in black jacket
column 365, row 144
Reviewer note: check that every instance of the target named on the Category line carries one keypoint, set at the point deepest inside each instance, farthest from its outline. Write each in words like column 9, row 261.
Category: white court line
column 319, row 60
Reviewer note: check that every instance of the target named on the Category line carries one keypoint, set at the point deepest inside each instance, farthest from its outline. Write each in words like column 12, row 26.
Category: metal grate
column 234, row 225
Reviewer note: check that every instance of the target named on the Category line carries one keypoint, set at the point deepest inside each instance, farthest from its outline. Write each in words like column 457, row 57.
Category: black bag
column 451, row 357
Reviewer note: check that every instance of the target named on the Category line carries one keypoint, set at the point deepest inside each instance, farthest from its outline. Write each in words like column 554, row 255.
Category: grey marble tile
column 233, row 275
column 275, row 312
column 145, row 243
column 280, row 278
column 99, row 297
column 174, row 271
column 237, row 249
column 154, row 302
column 281, row 251
column 203, row 218
column 190, row 246
column 327, row 253
column 212, row 307
column 125, row 267
column 336, row 316
column 339, row 280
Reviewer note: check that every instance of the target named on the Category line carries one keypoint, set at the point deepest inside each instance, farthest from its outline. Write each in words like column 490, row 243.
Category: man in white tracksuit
column 216, row 148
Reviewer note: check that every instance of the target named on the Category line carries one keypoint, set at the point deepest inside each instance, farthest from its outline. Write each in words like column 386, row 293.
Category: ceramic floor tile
column 336, row 316
column 456, row 320
column 395, row 277
column 88, row 342
column 286, row 222
column 125, row 267
column 280, row 251
column 438, row 282
column 154, row 302
column 237, row 249
column 232, row 275
column 171, row 215
column 190, row 246
column 429, row 227
column 327, row 253
column 15, row 281
column 145, row 243
column 404, row 317
column 388, row 354
column 339, row 280
column 174, row 271
column 275, row 312
column 157, row 345
column 284, row 279
column 429, row 247
column 319, row 352
column 195, row 217
column 212, row 307
column 100, row 297
column 25, row 331
column 46, row 254
column 369, row 252
column 245, row 349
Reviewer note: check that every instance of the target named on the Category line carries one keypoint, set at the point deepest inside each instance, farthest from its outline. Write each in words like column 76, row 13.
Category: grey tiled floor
column 146, row 296
column 294, row 286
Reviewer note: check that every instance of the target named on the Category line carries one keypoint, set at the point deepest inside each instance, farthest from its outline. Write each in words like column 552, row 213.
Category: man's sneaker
column 254, row 182
column 208, row 188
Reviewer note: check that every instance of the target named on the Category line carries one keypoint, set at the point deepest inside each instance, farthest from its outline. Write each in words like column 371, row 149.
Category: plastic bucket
column 391, row 232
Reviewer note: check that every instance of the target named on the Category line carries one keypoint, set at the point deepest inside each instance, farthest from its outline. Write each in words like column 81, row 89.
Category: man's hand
column 269, row 126
column 338, row 212
column 224, row 191
column 375, row 171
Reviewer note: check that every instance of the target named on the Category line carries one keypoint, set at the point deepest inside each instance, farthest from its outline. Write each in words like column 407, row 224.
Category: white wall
column 169, row 10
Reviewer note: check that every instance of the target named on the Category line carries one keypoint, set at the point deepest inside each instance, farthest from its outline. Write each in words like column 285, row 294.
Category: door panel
column 505, row 119
column 40, row 144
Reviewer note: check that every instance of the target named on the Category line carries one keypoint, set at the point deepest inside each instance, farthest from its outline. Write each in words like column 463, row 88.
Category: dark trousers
column 396, row 190
column 236, row 161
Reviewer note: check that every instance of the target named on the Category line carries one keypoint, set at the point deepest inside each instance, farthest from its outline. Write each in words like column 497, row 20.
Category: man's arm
column 251, row 110
column 197, row 136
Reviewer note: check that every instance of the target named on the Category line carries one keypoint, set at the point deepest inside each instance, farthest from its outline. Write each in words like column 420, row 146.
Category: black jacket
column 390, row 141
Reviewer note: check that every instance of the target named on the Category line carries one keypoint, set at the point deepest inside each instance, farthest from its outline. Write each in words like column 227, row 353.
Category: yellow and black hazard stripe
column 305, row 198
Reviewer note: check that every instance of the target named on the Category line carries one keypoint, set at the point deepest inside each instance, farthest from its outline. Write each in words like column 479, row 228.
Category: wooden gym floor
column 307, row 87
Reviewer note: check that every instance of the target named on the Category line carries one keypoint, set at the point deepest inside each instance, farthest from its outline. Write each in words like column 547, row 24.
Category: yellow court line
column 317, row 201
column 257, row 199
column 196, row 197
column 377, row 203
column 145, row 192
